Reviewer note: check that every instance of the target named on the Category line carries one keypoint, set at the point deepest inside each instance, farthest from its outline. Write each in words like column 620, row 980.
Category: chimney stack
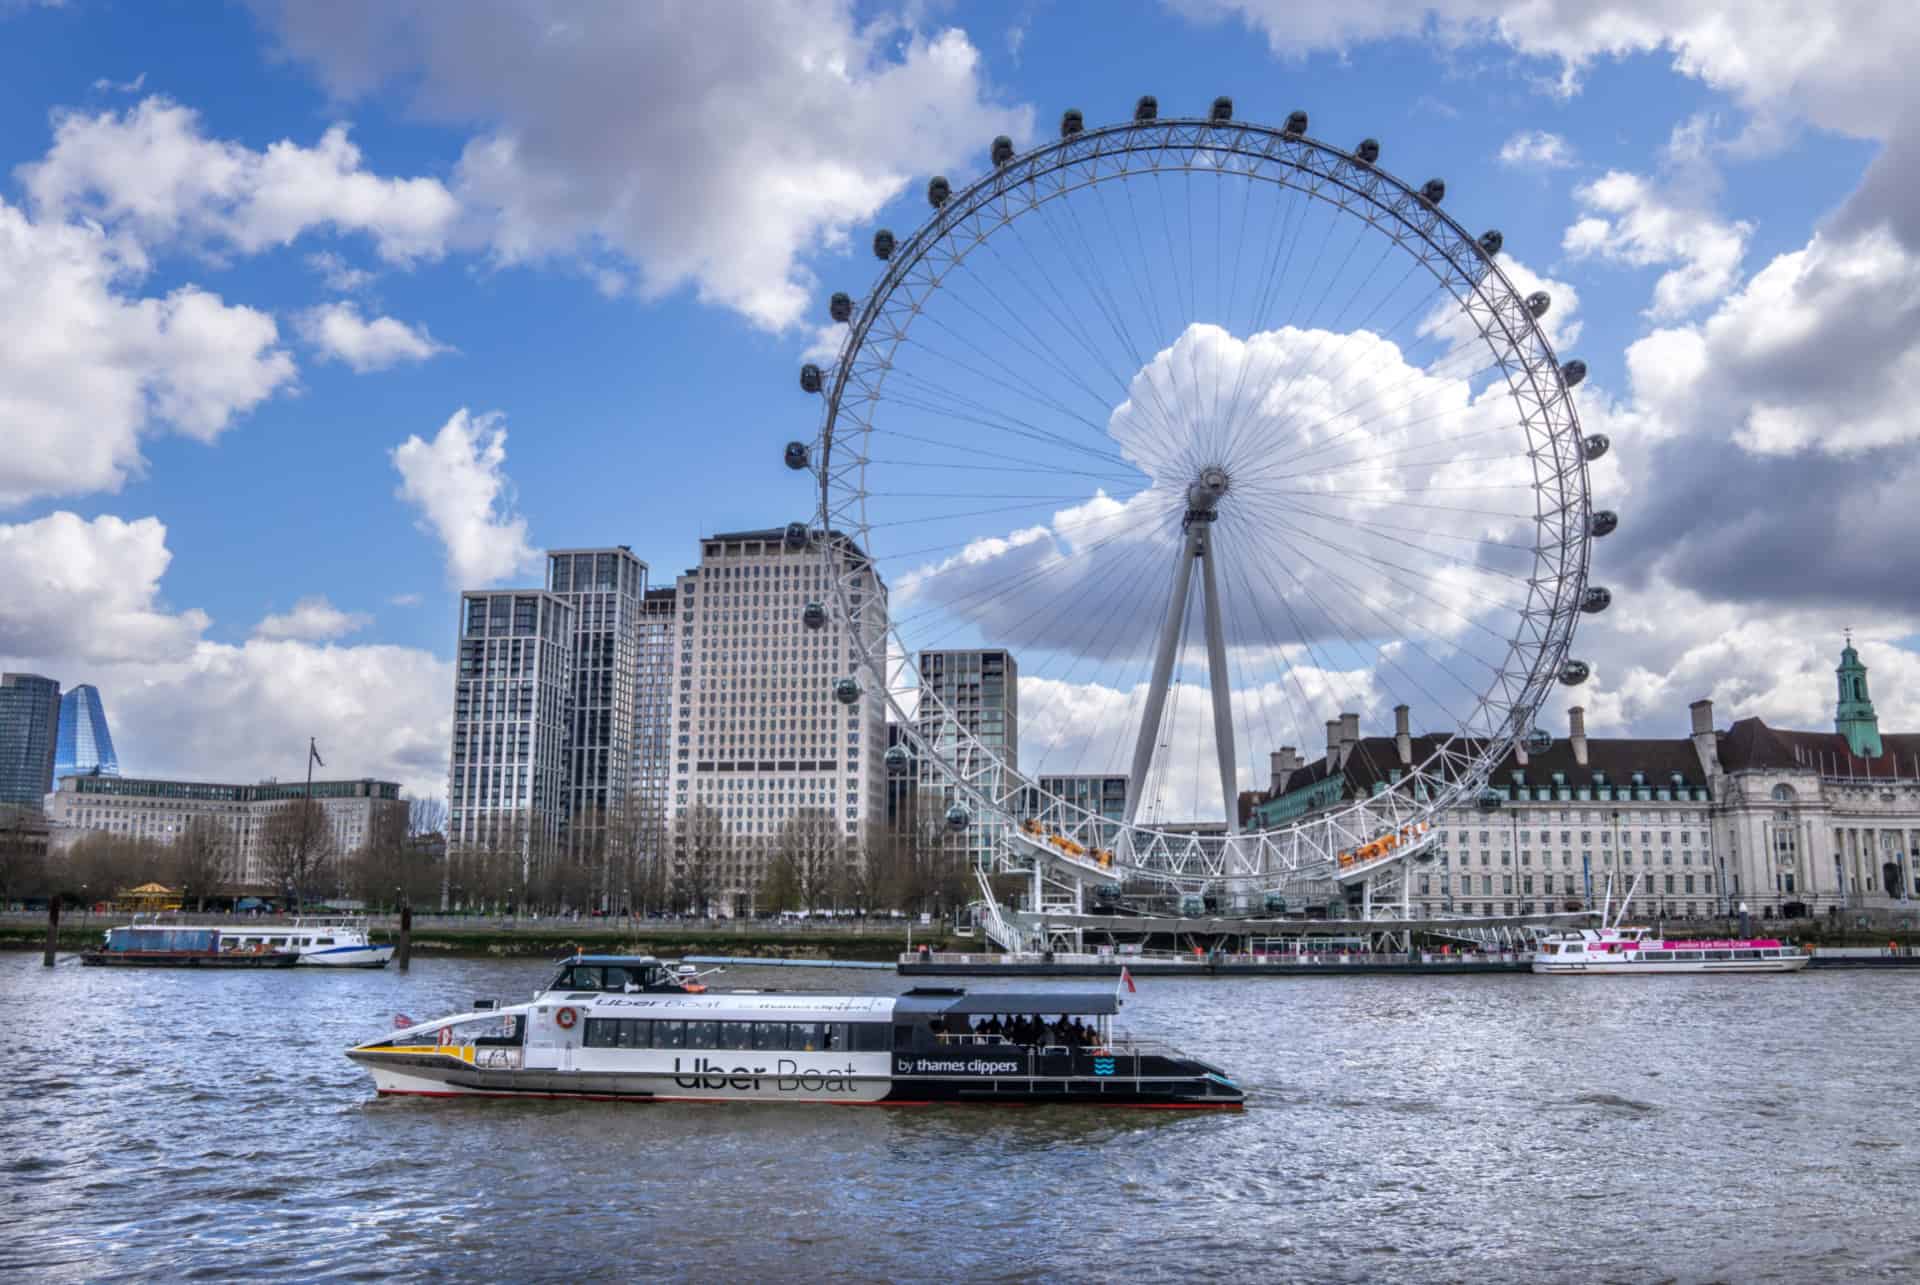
column 1349, row 735
column 1333, row 744
column 1281, row 764
column 1577, row 733
column 1402, row 735
column 1705, row 744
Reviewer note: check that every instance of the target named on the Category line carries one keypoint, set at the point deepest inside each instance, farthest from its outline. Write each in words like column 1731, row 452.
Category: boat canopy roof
column 611, row 959
column 934, row 1000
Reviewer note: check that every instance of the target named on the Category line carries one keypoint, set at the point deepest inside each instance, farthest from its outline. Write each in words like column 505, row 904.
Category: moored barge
column 160, row 946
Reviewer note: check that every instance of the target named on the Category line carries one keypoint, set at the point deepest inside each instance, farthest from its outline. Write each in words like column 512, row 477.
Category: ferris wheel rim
column 1457, row 260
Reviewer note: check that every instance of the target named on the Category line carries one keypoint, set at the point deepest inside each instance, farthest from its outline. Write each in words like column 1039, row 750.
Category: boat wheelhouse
column 638, row 1034
column 139, row 945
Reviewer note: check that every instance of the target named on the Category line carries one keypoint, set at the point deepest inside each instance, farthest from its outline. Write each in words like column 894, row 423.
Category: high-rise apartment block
column 979, row 691
column 85, row 746
column 654, row 716
column 759, row 732
column 507, row 787
column 29, row 728
column 605, row 588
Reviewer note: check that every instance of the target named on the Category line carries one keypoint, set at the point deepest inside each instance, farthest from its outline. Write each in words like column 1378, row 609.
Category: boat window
column 1719, row 954
column 1576, row 948
column 805, row 1037
column 736, row 1035
column 1746, row 954
column 1550, row 949
column 1769, row 954
column 836, row 1037
column 770, row 1035
column 617, row 978
column 669, row 1035
column 902, row 1036
column 277, row 941
column 703, row 1035
column 495, row 1029
column 323, row 941
column 868, row 1037
column 585, row 978
column 1657, row 956
column 1686, row 954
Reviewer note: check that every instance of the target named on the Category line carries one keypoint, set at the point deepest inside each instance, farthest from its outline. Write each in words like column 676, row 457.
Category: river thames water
column 177, row 1125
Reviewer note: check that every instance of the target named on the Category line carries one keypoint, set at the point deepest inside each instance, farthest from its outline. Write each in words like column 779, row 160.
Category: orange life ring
column 565, row 1019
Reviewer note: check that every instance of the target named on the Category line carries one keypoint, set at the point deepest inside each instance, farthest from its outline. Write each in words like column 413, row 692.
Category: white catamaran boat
column 331, row 941
column 628, row 1028
column 1614, row 948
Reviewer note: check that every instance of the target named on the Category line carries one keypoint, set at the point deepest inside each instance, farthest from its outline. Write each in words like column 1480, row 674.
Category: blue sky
column 609, row 231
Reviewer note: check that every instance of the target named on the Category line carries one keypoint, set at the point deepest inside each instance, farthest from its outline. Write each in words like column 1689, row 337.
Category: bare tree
column 296, row 847
column 814, row 851
column 198, row 860
column 780, row 884
column 702, row 846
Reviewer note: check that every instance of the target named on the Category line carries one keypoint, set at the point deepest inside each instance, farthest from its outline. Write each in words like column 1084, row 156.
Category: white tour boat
column 1613, row 948
column 330, row 941
column 628, row 1028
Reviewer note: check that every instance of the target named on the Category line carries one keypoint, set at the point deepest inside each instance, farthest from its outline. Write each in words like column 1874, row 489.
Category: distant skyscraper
column 507, row 786
column 980, row 690
column 86, row 746
column 653, row 705
column 605, row 588
column 29, row 726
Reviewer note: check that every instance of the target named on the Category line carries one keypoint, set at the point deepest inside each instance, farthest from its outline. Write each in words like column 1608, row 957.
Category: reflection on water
column 166, row 1125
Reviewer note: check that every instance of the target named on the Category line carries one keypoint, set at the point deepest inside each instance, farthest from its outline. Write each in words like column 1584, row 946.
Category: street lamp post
column 86, row 906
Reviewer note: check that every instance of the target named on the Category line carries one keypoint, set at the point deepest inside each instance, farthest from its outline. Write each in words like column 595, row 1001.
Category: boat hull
column 184, row 959
column 347, row 957
column 863, row 1080
column 1621, row 967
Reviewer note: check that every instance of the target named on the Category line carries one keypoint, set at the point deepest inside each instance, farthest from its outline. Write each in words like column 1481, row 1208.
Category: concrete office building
column 159, row 810
column 758, row 734
column 604, row 587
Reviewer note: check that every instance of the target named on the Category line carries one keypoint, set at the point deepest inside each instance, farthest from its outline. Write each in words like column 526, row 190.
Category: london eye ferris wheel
column 1221, row 431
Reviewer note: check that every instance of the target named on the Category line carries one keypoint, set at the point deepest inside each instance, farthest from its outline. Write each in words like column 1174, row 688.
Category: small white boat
column 329, row 941
column 1614, row 948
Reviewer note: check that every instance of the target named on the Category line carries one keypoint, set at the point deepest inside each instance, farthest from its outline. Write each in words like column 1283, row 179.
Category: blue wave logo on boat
column 1103, row 1066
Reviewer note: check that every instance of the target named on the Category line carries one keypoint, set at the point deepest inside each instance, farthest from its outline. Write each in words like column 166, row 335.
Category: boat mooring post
column 53, row 931
column 403, row 952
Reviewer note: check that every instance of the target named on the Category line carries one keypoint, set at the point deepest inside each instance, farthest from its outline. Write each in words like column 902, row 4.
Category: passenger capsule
column 1148, row 108
column 1537, row 304
column 897, row 758
column 1424, row 856
column 810, row 380
column 1490, row 242
column 1489, row 799
column 1573, row 372
column 814, row 616
column 883, row 244
column 1596, row 446
column 797, row 456
column 840, row 307
column 1002, row 150
column 846, row 691
column 1596, row 600
column 958, row 818
column 1071, row 122
column 1575, row 672
column 1539, row 741
column 1222, row 110
column 1368, row 151
column 1602, row 522
column 1296, row 124
column 796, row 535
column 1433, row 191
column 938, row 191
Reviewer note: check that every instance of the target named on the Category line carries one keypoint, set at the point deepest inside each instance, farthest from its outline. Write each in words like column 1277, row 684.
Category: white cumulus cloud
column 458, row 482
column 1536, row 149
column 1633, row 221
column 88, row 366
column 313, row 619
column 716, row 147
column 366, row 344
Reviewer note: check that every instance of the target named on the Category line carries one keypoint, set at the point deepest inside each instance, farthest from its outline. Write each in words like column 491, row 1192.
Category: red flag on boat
column 401, row 1021
column 1127, row 977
